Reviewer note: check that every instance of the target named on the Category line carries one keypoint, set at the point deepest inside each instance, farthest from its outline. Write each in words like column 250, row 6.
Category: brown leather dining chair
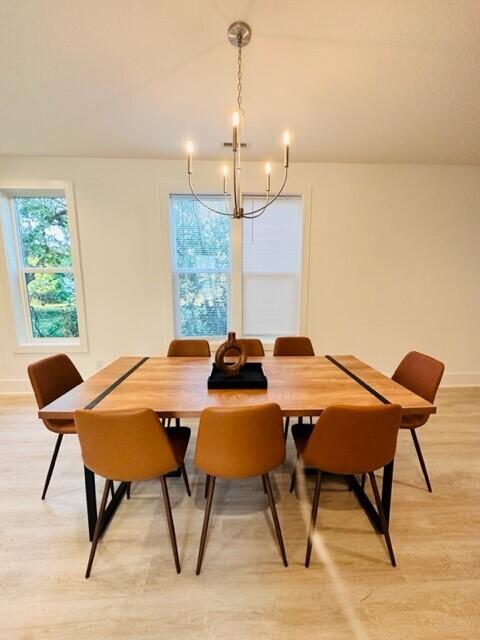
column 421, row 374
column 240, row 442
column 349, row 440
column 187, row 349
column 130, row 446
column 50, row 378
column 293, row 346
column 253, row 347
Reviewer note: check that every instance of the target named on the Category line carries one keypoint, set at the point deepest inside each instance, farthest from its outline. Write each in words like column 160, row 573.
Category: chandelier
column 239, row 35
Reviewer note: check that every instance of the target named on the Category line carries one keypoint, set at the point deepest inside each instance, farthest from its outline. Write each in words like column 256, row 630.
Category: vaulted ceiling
column 354, row 81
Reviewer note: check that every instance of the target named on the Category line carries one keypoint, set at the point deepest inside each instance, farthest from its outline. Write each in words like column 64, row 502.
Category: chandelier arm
column 277, row 195
column 265, row 205
column 257, row 215
column 222, row 213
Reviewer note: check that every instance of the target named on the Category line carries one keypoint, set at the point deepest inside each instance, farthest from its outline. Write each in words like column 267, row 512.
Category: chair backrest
column 189, row 349
column 52, row 377
column 253, row 346
column 293, row 346
column 124, row 445
column 348, row 440
column 420, row 373
column 240, row 442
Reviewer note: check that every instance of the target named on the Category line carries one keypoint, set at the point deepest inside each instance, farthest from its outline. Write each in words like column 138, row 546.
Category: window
column 265, row 254
column 201, row 267
column 271, row 269
column 37, row 235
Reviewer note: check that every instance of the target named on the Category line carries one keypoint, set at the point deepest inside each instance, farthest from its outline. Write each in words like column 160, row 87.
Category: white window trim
column 206, row 184
column 176, row 272
column 20, row 317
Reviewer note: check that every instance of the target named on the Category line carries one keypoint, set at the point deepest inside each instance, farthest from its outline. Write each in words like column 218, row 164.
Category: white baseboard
column 468, row 379
column 15, row 386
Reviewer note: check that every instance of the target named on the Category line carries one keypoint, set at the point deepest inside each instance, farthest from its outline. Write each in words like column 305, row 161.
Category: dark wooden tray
column 251, row 376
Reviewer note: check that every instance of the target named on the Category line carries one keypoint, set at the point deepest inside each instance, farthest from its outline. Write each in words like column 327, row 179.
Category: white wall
column 393, row 261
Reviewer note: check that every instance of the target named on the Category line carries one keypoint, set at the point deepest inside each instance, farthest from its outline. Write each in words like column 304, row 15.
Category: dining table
column 176, row 387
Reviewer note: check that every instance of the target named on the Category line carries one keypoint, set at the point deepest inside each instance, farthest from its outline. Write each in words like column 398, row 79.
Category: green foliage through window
column 47, row 265
column 202, row 265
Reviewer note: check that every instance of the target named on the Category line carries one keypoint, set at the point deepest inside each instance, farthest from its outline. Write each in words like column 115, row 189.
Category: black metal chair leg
column 129, row 487
column 185, row 478
column 52, row 464
column 171, row 526
column 177, row 422
column 112, row 489
column 285, row 432
column 208, row 508
column 264, row 485
column 169, row 422
column 383, row 520
column 207, row 484
column 364, row 475
column 420, row 457
column 313, row 519
column 98, row 526
column 276, row 521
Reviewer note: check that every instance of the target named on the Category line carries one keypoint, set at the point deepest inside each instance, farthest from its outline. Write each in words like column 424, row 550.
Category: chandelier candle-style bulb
column 189, row 157
column 268, row 171
column 236, row 123
column 239, row 35
column 225, row 174
column 286, row 151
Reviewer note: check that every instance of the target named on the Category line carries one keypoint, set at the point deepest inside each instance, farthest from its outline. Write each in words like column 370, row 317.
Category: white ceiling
column 353, row 80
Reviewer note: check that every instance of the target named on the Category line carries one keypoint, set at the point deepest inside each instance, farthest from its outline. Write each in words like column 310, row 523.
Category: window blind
column 271, row 268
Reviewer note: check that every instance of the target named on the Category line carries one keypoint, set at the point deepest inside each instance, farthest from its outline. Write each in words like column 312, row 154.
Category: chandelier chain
column 239, row 85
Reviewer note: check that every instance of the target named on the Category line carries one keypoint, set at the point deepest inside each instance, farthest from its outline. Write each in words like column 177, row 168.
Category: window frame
column 23, row 340
column 297, row 189
column 175, row 272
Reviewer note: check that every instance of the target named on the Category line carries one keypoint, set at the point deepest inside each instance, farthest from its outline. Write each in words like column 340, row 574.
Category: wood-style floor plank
column 244, row 592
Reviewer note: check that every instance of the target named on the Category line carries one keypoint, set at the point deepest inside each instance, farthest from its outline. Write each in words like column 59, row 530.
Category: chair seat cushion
column 301, row 433
column 179, row 437
column 61, row 426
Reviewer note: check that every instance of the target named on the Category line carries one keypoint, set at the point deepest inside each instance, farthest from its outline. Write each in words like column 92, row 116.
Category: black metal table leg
column 365, row 502
column 91, row 501
column 91, row 497
column 387, row 489
column 113, row 505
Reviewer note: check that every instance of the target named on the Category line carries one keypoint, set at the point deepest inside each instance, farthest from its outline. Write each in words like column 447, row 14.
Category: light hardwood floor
column 244, row 591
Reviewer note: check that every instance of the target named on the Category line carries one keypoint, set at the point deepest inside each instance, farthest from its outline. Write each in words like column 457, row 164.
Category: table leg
column 387, row 489
column 365, row 503
column 91, row 501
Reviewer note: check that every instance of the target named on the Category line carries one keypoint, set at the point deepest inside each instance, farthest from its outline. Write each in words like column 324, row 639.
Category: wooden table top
column 177, row 387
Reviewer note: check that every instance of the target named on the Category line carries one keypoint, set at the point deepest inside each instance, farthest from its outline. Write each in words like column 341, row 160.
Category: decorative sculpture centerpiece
column 235, row 372
column 230, row 348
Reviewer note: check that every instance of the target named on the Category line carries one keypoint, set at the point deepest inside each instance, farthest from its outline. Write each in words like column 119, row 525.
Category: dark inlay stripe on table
column 115, row 384
column 358, row 380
